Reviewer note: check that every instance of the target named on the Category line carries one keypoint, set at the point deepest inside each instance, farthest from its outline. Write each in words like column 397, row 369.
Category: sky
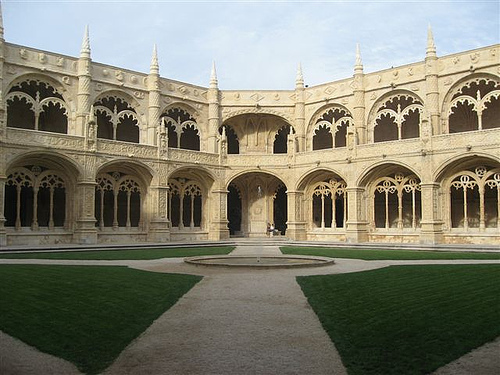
column 256, row 45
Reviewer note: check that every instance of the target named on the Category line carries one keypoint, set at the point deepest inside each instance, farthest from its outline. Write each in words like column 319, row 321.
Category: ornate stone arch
column 472, row 96
column 392, row 196
column 330, row 119
column 322, row 199
column 182, row 128
column 135, row 168
column 54, row 82
column 227, row 115
column 53, row 160
column 403, row 108
column 46, row 186
column 189, row 198
column 117, row 116
column 36, row 102
column 470, row 193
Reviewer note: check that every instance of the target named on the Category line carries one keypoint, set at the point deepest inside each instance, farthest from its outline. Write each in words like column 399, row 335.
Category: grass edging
column 123, row 254
column 389, row 254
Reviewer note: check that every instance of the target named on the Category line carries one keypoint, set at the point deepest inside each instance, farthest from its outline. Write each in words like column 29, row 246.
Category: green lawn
column 369, row 254
column 86, row 315
column 126, row 254
column 407, row 319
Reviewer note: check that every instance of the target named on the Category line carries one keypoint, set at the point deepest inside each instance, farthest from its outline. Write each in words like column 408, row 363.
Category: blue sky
column 255, row 44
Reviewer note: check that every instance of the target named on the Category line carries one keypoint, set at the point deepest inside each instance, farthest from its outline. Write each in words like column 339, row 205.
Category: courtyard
column 134, row 311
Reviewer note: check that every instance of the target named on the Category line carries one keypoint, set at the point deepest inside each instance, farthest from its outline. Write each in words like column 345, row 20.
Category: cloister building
column 92, row 153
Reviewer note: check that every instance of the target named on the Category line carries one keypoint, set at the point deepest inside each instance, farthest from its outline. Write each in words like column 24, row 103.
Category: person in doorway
column 271, row 229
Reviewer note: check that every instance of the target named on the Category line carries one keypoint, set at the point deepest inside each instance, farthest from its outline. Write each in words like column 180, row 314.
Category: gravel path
column 235, row 321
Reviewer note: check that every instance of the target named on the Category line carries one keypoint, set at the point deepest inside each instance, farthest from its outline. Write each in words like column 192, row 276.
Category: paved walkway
column 235, row 321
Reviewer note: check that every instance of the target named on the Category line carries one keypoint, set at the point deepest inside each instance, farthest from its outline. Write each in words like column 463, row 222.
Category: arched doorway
column 254, row 200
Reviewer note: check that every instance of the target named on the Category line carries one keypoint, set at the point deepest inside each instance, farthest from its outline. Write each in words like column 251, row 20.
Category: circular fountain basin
column 260, row 261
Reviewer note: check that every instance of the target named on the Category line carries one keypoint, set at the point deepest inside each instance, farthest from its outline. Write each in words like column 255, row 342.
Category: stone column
column 219, row 222
column 3, row 120
column 431, row 224
column 296, row 226
column 159, row 228
column 357, row 226
column 3, row 232
column 85, row 229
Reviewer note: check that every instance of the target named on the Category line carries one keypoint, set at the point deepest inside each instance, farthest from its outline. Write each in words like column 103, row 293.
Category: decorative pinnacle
column 358, row 66
column 1, row 21
column 85, row 51
column 299, row 79
column 213, row 76
column 431, row 47
column 155, row 67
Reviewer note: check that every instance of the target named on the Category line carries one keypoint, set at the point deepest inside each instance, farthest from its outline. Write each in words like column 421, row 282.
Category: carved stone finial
column 85, row 51
column 92, row 118
column 155, row 67
column 213, row 76
column 431, row 47
column 299, row 79
column 358, row 66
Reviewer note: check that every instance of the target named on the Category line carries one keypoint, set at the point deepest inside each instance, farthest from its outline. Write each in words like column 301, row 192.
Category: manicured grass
column 375, row 254
column 86, row 315
column 407, row 319
column 126, row 254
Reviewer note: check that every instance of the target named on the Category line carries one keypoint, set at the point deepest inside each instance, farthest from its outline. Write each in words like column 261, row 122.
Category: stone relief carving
column 23, row 53
column 42, row 58
column 119, row 75
column 474, row 57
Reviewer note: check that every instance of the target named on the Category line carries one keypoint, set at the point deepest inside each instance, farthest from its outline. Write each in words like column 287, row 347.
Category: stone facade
column 93, row 153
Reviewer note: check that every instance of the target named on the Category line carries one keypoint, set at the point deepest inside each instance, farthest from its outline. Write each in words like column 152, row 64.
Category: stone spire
column 84, row 83
column 432, row 87
column 299, row 79
column 85, row 51
column 213, row 112
column 358, row 66
column 155, row 67
column 1, row 21
column 154, row 101
column 431, row 47
column 213, row 77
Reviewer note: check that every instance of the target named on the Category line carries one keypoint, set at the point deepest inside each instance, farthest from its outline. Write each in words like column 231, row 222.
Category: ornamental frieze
column 126, row 149
column 195, row 157
column 55, row 140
